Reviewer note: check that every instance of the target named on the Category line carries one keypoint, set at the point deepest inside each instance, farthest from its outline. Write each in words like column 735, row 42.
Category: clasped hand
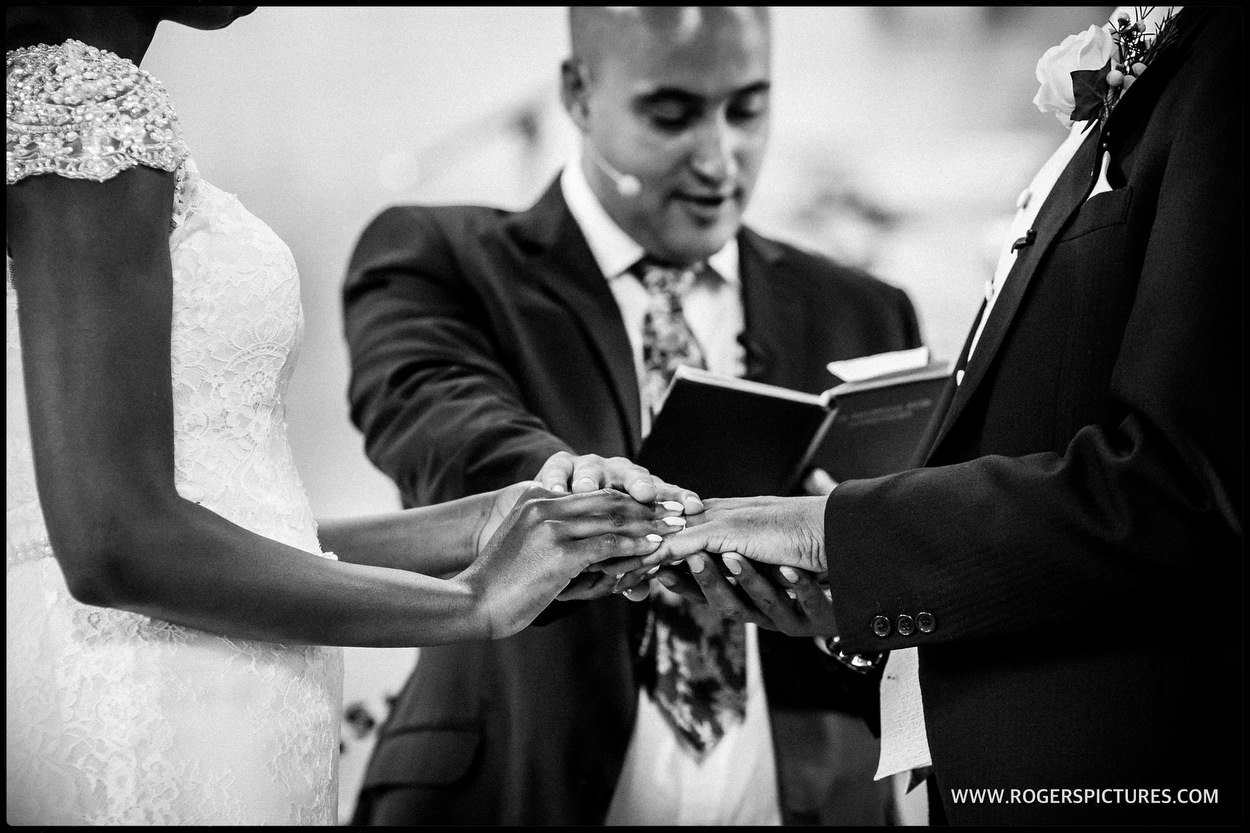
column 757, row 560
column 584, row 521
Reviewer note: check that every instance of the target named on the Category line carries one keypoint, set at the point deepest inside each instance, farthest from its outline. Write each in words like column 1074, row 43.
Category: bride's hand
column 547, row 540
column 505, row 499
column 565, row 472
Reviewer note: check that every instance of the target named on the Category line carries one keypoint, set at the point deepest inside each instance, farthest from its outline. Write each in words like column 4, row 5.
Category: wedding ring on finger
column 637, row 593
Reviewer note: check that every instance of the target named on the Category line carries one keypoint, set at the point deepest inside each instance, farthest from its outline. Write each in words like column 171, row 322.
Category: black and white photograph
column 706, row 416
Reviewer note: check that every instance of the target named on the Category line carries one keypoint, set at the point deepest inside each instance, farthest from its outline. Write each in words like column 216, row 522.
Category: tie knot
column 664, row 278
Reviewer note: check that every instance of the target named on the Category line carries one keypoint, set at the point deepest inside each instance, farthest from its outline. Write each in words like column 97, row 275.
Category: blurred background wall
column 901, row 138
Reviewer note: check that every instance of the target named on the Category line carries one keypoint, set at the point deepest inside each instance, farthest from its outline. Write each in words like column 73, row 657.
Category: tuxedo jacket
column 482, row 341
column 1075, row 540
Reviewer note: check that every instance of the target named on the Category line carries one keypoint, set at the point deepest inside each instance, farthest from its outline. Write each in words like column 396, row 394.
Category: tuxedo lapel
column 1066, row 197
column 1189, row 22
column 773, row 306
column 560, row 261
column 1071, row 189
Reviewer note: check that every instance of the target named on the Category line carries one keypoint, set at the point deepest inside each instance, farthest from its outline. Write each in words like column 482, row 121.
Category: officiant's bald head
column 594, row 30
column 672, row 104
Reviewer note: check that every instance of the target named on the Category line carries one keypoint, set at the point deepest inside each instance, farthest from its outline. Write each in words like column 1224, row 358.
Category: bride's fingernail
column 790, row 574
column 654, row 538
column 732, row 563
column 674, row 521
column 558, row 488
column 696, row 563
column 672, row 506
column 653, row 570
column 792, row 594
column 674, row 563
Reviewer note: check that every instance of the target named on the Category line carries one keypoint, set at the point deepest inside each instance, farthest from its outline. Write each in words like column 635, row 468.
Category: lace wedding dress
column 113, row 717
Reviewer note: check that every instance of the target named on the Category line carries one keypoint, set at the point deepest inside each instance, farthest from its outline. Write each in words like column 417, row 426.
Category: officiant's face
column 679, row 99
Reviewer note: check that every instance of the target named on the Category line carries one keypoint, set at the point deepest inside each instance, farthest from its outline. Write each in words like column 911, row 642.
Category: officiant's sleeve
column 440, row 414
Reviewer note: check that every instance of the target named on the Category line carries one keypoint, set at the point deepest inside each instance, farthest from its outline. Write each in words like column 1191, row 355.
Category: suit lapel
column 560, row 261
column 1064, row 199
column 1190, row 20
column 772, row 302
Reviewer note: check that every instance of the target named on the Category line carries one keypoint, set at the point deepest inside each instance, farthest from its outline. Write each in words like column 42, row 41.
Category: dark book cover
column 877, row 425
column 727, row 437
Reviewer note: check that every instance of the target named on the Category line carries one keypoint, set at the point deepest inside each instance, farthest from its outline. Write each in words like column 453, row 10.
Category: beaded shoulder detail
column 85, row 113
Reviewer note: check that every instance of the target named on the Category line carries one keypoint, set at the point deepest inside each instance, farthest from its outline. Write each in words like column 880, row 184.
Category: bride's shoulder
column 85, row 113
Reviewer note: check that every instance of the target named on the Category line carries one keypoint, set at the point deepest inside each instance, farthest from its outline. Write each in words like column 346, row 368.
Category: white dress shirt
column 663, row 783
column 904, row 744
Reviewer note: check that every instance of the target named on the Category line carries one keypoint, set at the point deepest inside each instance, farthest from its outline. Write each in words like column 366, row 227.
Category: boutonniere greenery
column 1084, row 77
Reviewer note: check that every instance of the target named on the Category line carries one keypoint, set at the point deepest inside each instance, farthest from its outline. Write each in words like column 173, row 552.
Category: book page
column 879, row 364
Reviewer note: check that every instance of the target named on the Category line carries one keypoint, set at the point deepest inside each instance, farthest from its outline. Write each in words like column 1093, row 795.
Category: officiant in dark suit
column 1067, row 571
column 482, row 341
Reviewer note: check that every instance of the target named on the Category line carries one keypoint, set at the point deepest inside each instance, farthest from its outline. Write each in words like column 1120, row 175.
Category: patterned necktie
column 700, row 658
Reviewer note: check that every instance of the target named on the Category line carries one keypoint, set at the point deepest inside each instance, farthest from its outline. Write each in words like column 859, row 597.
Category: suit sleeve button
column 905, row 625
column 926, row 623
column 881, row 626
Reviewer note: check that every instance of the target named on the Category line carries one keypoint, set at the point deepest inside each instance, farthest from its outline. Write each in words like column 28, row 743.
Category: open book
column 728, row 437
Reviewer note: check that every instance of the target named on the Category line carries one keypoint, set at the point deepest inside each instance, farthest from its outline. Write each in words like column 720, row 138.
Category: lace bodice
column 114, row 717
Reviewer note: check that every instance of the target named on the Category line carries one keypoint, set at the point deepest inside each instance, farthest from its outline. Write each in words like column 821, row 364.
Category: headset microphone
column 627, row 185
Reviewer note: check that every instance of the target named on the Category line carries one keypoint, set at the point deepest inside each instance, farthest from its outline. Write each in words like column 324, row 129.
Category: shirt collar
column 615, row 251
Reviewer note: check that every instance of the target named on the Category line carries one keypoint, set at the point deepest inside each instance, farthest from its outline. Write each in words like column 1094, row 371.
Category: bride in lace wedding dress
column 168, row 594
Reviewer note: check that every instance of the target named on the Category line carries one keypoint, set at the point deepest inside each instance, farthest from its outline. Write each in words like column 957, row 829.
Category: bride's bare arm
column 439, row 540
column 94, row 281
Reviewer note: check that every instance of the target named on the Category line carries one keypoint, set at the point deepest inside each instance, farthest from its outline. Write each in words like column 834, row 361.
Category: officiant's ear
column 574, row 92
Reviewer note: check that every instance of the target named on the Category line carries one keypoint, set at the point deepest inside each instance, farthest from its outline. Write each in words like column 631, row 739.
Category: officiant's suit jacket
column 1077, row 538
column 483, row 341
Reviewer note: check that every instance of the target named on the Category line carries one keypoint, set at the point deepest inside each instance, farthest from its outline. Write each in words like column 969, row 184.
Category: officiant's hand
column 564, row 471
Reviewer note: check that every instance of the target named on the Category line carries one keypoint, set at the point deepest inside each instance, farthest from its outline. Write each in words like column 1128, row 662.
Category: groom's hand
column 779, row 598
column 783, row 531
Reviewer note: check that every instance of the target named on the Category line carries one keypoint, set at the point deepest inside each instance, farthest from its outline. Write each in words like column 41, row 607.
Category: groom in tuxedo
column 483, row 341
column 1068, row 569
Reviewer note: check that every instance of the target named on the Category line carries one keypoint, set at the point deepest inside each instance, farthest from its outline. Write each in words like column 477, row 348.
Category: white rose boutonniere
column 1057, row 72
column 1084, row 77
